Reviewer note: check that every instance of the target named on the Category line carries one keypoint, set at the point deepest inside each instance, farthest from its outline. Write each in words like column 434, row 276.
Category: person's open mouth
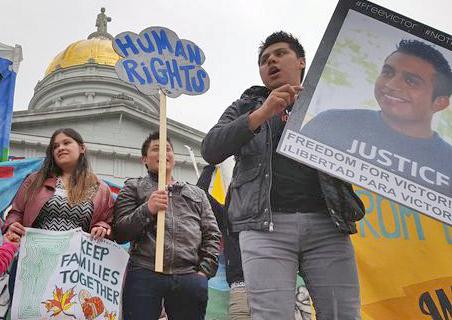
column 273, row 71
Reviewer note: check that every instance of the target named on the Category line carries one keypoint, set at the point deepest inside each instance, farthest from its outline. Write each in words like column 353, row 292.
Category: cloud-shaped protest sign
column 157, row 59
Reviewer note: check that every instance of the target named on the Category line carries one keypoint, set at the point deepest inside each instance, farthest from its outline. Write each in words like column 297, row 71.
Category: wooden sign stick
column 160, row 240
column 154, row 35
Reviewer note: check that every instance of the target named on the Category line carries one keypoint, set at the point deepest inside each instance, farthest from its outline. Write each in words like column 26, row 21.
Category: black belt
column 285, row 210
column 292, row 210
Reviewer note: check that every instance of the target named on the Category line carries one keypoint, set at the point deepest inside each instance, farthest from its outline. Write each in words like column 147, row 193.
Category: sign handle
column 159, row 244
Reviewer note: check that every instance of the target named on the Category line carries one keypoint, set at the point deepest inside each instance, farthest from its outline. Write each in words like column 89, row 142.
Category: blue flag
column 12, row 174
column 9, row 59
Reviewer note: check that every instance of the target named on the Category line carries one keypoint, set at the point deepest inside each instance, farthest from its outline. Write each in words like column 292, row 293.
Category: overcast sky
column 228, row 31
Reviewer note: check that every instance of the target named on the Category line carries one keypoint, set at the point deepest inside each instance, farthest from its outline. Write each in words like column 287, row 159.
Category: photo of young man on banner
column 375, row 110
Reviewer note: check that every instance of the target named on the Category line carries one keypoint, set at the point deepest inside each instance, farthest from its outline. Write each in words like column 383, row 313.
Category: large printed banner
column 68, row 275
column 374, row 110
column 404, row 264
column 404, row 261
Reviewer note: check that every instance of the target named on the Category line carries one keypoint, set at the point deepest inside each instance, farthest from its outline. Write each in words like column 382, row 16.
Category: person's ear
column 302, row 63
column 143, row 160
column 82, row 148
column 440, row 103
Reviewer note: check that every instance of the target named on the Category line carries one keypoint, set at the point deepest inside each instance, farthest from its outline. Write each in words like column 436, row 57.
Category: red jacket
column 26, row 212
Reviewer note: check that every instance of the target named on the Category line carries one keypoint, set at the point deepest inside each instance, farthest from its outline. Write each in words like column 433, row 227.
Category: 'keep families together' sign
column 68, row 275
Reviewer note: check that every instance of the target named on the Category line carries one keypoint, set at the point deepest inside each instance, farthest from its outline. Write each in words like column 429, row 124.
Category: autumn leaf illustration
column 61, row 302
column 110, row 316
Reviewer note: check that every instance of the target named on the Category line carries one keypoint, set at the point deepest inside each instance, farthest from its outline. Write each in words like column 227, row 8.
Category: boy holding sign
column 191, row 246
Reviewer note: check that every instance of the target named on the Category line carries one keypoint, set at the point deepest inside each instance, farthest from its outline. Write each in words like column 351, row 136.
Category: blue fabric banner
column 12, row 173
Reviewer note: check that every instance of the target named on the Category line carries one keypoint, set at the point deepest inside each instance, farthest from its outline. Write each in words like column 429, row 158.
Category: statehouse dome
column 84, row 74
column 94, row 50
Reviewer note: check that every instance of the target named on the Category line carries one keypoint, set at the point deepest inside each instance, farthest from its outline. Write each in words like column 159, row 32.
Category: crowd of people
column 65, row 194
column 281, row 218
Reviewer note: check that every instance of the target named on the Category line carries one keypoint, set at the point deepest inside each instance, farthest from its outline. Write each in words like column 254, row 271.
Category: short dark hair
column 155, row 135
column 282, row 36
column 419, row 49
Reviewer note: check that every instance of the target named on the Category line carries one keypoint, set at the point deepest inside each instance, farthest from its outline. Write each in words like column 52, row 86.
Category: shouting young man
column 291, row 218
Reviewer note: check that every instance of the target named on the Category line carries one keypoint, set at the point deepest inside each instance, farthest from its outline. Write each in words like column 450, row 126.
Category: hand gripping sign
column 157, row 61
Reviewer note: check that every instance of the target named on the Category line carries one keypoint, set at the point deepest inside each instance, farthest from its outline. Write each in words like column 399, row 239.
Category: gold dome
column 94, row 50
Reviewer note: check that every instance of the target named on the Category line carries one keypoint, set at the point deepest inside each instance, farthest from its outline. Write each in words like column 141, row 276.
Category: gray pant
column 308, row 243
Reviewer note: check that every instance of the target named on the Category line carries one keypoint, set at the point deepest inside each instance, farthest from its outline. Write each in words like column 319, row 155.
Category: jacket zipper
column 270, row 225
column 170, row 194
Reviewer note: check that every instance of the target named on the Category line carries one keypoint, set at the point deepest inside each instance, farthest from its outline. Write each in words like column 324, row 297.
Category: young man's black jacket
column 249, row 193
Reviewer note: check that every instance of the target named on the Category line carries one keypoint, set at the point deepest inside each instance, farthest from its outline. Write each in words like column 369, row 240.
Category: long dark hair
column 83, row 181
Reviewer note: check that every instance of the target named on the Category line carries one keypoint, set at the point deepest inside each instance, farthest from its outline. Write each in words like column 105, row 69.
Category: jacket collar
column 154, row 178
column 50, row 182
column 255, row 92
